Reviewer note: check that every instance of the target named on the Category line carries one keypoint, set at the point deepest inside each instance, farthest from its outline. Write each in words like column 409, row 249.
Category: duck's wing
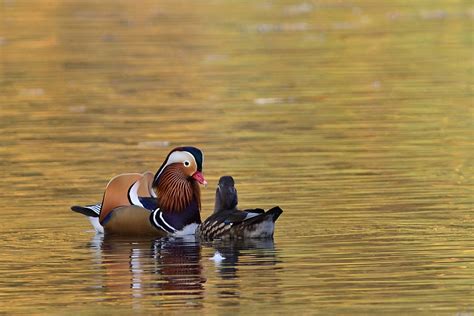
column 219, row 223
column 239, row 224
column 122, row 190
column 272, row 214
column 255, row 210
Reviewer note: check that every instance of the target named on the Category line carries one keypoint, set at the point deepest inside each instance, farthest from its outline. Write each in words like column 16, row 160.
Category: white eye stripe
column 178, row 156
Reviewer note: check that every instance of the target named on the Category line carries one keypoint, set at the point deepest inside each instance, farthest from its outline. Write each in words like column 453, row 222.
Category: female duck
column 228, row 222
column 147, row 204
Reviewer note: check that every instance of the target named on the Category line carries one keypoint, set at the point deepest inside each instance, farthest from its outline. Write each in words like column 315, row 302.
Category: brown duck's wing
column 145, row 185
column 117, row 193
column 124, row 189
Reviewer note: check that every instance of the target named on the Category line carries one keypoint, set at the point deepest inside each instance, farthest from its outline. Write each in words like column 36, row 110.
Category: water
column 354, row 116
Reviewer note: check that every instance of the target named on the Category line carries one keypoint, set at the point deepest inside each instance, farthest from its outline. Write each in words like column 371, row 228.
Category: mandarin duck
column 228, row 222
column 162, row 204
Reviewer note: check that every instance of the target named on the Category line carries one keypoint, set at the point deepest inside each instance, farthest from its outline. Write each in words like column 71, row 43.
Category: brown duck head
column 176, row 183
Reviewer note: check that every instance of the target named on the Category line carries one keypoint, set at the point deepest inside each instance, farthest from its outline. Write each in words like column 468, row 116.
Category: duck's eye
column 186, row 163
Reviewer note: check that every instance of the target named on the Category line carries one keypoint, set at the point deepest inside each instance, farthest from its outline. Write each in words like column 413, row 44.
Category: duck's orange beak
column 198, row 176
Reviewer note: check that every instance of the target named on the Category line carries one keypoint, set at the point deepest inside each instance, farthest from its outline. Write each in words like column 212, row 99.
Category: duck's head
column 186, row 162
column 176, row 183
column 226, row 194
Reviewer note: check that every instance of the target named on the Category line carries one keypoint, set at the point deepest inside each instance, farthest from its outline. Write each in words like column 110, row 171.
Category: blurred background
column 355, row 117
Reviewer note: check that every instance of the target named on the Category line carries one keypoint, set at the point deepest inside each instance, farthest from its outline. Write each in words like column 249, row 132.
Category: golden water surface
column 355, row 117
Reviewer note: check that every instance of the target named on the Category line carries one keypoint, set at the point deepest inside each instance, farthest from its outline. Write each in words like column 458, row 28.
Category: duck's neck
column 175, row 191
column 225, row 200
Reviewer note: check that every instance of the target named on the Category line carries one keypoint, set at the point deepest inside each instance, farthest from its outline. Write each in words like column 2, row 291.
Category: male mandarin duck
column 156, row 205
column 228, row 222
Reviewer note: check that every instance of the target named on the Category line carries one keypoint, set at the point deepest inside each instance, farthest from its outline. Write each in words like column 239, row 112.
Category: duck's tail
column 272, row 214
column 88, row 210
column 260, row 226
column 92, row 212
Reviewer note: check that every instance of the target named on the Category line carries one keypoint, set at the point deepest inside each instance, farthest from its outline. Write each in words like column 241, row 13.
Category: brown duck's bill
column 198, row 176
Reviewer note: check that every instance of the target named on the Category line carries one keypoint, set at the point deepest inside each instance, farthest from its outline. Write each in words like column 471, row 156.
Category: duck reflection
column 257, row 252
column 150, row 267
column 169, row 271
column 230, row 256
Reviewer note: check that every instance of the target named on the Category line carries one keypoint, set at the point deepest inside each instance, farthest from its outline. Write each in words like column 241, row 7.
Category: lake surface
column 355, row 117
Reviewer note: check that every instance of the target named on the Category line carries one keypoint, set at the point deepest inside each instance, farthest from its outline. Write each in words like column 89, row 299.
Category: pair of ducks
column 169, row 203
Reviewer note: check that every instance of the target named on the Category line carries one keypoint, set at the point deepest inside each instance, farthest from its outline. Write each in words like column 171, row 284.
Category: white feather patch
column 95, row 222
column 133, row 194
column 250, row 215
column 187, row 230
